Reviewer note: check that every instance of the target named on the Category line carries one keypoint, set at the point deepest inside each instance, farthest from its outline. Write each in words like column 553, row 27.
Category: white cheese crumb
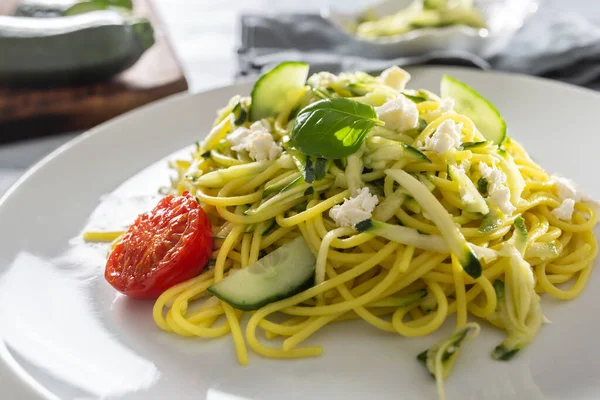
column 498, row 193
column 237, row 137
column 566, row 188
column 395, row 77
column 446, row 105
column 445, row 137
column 355, row 209
column 399, row 114
column 257, row 140
column 565, row 211
column 494, row 176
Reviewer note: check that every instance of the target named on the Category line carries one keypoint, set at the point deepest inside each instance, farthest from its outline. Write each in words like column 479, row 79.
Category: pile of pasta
column 397, row 288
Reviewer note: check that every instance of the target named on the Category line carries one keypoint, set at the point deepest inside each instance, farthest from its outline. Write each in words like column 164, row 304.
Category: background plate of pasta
column 421, row 234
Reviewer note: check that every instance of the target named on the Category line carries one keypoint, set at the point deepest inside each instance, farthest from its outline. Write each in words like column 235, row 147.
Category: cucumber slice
column 470, row 103
column 280, row 274
column 278, row 90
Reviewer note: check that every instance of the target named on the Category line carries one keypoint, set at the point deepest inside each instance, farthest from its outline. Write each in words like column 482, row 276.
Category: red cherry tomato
column 166, row 246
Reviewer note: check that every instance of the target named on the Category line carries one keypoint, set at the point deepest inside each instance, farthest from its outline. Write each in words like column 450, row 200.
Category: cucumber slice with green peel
column 443, row 220
column 279, row 275
column 470, row 103
column 278, row 90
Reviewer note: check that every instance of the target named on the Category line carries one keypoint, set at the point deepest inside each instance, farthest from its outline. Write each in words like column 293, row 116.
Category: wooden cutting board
column 34, row 112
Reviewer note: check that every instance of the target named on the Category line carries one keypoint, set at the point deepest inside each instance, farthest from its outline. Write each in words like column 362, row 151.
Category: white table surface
column 205, row 37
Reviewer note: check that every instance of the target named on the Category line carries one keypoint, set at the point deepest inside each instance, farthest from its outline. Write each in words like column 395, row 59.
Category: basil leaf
column 332, row 128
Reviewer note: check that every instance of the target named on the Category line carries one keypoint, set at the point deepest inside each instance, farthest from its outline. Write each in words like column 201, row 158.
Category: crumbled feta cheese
column 445, row 137
column 257, row 140
column 498, row 193
column 501, row 198
column 354, row 209
column 466, row 198
column 565, row 210
column 399, row 114
column 566, row 188
column 237, row 137
column 395, row 77
column 447, row 104
column 494, row 176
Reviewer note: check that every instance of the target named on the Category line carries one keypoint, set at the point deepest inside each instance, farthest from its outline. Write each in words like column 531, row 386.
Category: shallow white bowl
column 503, row 18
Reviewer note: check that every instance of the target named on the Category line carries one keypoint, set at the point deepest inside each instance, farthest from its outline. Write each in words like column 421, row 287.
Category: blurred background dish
column 407, row 27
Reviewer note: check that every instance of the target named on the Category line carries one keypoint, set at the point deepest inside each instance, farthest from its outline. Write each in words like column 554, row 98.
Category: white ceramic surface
column 66, row 334
column 502, row 18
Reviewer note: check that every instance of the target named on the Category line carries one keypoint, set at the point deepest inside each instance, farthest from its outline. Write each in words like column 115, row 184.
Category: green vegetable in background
column 87, row 47
column 59, row 8
column 333, row 128
column 95, row 5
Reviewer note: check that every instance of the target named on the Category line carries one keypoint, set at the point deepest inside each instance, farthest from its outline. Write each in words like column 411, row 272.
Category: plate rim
column 17, row 378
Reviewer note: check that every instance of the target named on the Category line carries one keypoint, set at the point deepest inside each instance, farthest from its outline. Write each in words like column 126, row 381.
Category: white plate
column 66, row 334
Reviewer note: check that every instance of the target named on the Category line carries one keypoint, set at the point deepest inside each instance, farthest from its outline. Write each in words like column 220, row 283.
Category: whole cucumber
column 91, row 46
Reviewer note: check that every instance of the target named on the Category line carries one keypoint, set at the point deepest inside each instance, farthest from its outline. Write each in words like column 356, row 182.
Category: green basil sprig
column 333, row 128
